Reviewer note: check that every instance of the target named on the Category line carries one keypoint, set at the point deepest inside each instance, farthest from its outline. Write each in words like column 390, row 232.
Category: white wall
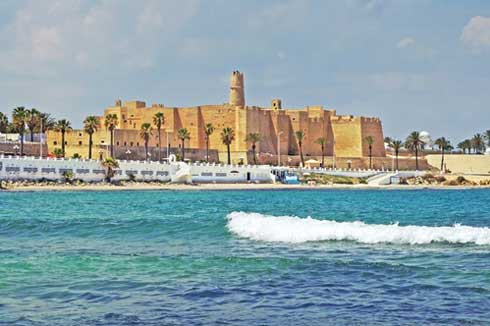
column 30, row 168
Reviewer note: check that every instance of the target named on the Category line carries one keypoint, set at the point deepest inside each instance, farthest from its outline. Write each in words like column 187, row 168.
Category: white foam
column 293, row 229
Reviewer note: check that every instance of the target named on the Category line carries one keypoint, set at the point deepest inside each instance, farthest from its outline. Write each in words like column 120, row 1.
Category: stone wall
column 30, row 149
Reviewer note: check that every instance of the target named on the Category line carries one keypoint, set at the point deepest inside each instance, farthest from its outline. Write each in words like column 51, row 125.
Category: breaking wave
column 292, row 229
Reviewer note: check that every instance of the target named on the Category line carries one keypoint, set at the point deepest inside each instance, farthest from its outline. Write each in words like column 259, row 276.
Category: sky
column 416, row 64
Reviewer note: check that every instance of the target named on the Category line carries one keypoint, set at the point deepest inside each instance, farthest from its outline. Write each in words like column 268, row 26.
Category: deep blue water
column 168, row 258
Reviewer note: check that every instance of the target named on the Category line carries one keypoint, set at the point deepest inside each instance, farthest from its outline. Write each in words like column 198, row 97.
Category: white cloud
column 50, row 36
column 476, row 34
column 405, row 43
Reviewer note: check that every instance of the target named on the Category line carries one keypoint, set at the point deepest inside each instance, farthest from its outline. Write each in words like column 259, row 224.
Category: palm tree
column 388, row 140
column 110, row 165
column 208, row 131
column 63, row 126
column 254, row 138
column 487, row 136
column 183, row 134
column 396, row 145
column 370, row 141
column 322, row 141
column 19, row 118
column 158, row 121
column 47, row 122
column 300, row 135
column 33, row 121
column 227, row 137
column 443, row 144
column 4, row 122
column 91, row 124
column 145, row 133
column 413, row 142
column 478, row 143
column 111, row 122
column 464, row 145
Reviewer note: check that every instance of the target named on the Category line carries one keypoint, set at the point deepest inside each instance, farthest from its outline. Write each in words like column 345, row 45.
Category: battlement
column 134, row 104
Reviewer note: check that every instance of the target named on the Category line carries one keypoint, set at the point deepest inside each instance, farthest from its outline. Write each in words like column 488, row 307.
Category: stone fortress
column 345, row 134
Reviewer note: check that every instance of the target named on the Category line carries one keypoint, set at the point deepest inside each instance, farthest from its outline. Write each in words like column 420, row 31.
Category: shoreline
column 226, row 186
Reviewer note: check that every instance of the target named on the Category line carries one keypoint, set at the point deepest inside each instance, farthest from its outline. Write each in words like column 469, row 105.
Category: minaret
column 237, row 89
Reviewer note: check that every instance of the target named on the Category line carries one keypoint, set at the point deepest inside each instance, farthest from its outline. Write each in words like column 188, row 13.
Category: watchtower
column 237, row 89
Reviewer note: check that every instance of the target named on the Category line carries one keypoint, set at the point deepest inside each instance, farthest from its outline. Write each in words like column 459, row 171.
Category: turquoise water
column 243, row 258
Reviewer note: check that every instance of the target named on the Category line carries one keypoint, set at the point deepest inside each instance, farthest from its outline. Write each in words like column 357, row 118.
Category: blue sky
column 416, row 64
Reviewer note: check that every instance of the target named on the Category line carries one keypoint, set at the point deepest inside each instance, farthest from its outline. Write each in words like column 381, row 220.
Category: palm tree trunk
column 90, row 146
column 159, row 145
column 21, row 144
column 183, row 150
column 370, row 157
column 146, row 150
column 323, row 156
column 442, row 159
column 207, row 149
column 32, row 134
column 229, row 155
column 63, row 143
column 416, row 158
column 301, row 154
column 253, row 152
column 396, row 160
column 112, row 142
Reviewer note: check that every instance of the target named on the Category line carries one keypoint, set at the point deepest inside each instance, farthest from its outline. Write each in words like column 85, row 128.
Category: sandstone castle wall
column 345, row 135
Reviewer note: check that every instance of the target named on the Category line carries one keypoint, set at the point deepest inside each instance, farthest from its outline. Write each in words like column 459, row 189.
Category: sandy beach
column 220, row 187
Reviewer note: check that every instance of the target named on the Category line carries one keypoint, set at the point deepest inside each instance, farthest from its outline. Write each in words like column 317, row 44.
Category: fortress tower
column 237, row 89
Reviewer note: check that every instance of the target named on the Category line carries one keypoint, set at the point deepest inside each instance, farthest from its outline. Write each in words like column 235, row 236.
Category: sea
column 266, row 257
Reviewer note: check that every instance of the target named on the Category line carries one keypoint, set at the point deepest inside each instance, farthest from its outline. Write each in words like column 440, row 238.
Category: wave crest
column 292, row 229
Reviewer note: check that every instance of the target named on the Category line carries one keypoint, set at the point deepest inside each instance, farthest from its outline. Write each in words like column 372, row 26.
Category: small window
column 137, row 144
column 125, row 144
column 134, row 126
column 131, row 144
column 101, row 141
column 79, row 143
column 79, row 134
column 66, row 143
column 123, row 116
column 55, row 143
column 117, row 143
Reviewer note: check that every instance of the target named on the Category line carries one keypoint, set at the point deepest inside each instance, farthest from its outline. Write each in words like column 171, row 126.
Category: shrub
column 76, row 155
column 461, row 180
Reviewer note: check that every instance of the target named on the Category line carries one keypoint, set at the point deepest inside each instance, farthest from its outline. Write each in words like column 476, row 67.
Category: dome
column 425, row 136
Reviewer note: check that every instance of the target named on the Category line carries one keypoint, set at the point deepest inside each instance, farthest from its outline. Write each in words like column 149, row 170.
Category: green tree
column 63, row 126
column 413, row 143
column 111, row 122
column 465, row 145
column 58, row 152
column 370, row 141
column 90, row 125
column 33, row 121
column 254, row 138
column 322, row 141
column 227, row 137
column 47, row 122
column 183, row 134
column 146, row 132
column 443, row 144
column 300, row 135
column 208, row 131
column 110, row 165
column 487, row 137
column 478, row 143
column 396, row 145
column 159, row 121
column 19, row 117
column 4, row 123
